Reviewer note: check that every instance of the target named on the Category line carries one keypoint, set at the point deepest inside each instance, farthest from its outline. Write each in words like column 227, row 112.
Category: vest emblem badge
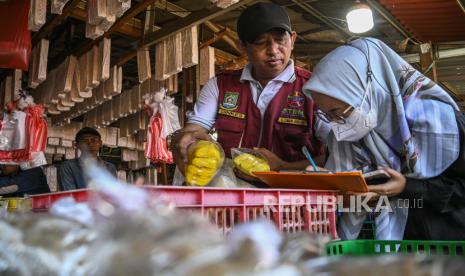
column 230, row 100
column 295, row 99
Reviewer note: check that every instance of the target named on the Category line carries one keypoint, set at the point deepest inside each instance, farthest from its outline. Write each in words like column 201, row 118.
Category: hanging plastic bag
column 156, row 149
column 169, row 114
column 37, row 126
column 23, row 133
column 205, row 158
column 160, row 103
column 164, row 121
column 249, row 161
column 13, row 131
column 15, row 38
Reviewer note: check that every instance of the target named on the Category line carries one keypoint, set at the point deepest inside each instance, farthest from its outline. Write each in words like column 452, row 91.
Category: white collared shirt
column 206, row 106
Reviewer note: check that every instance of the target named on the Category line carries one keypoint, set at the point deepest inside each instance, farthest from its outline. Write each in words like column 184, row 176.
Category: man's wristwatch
column 170, row 139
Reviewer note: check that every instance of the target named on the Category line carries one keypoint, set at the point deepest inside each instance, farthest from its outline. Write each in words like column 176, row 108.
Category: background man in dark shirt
column 70, row 173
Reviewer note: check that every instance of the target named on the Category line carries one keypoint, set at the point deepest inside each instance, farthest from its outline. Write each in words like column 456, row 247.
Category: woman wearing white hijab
column 384, row 113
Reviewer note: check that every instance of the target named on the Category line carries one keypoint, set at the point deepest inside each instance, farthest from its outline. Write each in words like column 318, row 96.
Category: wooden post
column 427, row 61
column 162, row 178
column 17, row 80
column 184, row 93
column 193, row 85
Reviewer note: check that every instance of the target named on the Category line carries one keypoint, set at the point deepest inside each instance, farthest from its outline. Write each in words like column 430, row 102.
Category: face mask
column 359, row 123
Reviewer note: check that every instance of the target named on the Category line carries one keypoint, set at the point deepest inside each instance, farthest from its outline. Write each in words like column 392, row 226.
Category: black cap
column 86, row 131
column 260, row 18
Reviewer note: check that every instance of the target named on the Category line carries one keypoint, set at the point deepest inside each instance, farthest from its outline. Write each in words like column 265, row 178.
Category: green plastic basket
column 376, row 247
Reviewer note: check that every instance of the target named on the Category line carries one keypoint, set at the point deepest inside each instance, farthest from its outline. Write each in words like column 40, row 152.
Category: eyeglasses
column 327, row 118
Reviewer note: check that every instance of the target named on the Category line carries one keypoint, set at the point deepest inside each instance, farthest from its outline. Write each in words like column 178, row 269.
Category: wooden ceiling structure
column 405, row 25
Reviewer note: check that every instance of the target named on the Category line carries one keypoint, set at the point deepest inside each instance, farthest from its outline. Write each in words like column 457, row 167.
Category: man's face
column 90, row 143
column 269, row 54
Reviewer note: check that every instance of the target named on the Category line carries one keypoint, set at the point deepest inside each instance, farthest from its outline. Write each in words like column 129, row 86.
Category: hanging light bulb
column 360, row 18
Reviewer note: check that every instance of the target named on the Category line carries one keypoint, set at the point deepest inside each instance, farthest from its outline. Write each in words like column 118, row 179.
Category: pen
column 309, row 157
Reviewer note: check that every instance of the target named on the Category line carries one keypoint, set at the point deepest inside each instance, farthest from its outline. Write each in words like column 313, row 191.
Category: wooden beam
column 229, row 38
column 221, row 55
column 49, row 26
column 194, row 19
column 456, row 78
column 315, row 30
column 132, row 29
column 127, row 16
column 179, row 25
column 227, row 61
column 218, row 35
column 452, row 91
column 172, row 8
column 231, row 41
column 149, row 21
column 323, row 18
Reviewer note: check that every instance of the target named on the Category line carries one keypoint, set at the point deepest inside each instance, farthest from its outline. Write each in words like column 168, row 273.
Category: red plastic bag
column 35, row 132
column 15, row 38
column 156, row 149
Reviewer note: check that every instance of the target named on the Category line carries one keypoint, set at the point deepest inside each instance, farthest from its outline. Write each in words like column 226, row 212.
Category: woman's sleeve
column 445, row 192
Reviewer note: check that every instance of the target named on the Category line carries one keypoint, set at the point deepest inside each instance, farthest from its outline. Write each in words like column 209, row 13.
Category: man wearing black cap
column 263, row 104
column 70, row 173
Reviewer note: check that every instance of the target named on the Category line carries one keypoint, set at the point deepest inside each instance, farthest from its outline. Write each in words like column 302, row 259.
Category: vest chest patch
column 294, row 112
column 292, row 121
column 230, row 100
column 295, row 100
column 231, row 113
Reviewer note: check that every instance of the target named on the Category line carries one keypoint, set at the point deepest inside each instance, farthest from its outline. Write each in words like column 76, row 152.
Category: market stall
column 118, row 85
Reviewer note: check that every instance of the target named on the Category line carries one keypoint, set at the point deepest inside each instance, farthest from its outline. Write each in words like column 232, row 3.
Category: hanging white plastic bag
column 164, row 105
column 164, row 121
column 13, row 131
column 169, row 114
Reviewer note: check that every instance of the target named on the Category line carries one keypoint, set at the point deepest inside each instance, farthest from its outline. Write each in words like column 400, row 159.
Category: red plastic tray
column 290, row 210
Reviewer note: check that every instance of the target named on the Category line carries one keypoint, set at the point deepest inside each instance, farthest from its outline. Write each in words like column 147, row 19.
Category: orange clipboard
column 342, row 181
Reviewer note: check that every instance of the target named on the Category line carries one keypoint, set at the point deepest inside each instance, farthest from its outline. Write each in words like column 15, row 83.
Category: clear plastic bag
column 13, row 131
column 205, row 160
column 249, row 161
column 225, row 177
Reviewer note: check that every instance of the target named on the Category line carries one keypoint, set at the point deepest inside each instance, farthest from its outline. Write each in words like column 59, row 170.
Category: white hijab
column 417, row 132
